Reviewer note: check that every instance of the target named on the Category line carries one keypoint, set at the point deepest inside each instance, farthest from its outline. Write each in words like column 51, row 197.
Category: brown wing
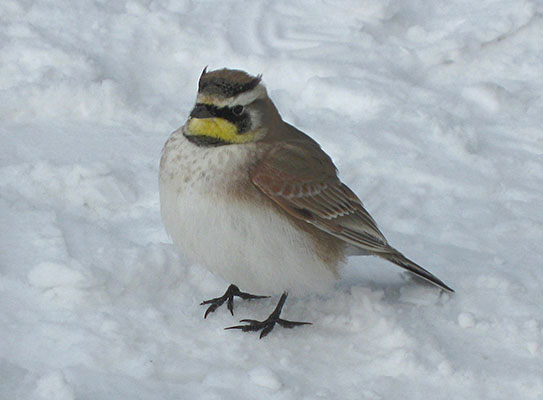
column 303, row 181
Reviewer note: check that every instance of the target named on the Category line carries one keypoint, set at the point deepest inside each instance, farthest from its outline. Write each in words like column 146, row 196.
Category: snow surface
column 433, row 112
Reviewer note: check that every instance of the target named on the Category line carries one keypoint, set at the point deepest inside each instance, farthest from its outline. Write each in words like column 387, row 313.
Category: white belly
column 251, row 245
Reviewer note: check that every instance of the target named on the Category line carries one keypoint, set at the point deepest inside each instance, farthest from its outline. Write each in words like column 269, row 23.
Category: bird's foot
column 228, row 297
column 268, row 324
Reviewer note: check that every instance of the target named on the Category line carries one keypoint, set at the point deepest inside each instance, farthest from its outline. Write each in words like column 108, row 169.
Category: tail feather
column 399, row 259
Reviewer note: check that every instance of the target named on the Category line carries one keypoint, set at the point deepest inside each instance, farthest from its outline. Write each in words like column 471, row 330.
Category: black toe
column 266, row 326
column 228, row 297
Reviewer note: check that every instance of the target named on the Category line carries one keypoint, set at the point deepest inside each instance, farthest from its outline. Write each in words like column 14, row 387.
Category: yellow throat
column 218, row 128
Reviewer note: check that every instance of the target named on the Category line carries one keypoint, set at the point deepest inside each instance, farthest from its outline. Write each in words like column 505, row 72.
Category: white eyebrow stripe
column 248, row 97
column 259, row 92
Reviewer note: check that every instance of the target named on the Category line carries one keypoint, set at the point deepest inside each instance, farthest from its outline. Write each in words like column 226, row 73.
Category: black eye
column 237, row 110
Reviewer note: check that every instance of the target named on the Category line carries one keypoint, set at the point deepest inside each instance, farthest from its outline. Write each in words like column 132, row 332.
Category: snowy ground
column 433, row 112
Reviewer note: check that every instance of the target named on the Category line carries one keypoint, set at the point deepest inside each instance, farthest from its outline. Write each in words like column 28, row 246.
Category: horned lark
column 258, row 202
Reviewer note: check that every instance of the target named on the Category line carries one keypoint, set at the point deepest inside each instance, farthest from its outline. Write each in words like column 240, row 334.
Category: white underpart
column 250, row 245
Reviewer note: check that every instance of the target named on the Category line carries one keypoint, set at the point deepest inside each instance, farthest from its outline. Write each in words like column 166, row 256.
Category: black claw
column 248, row 296
column 291, row 324
column 269, row 323
column 265, row 331
column 250, row 321
column 247, row 328
column 230, row 305
column 228, row 297
column 210, row 309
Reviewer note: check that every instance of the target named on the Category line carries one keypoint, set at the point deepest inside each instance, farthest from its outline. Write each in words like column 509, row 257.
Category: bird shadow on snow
column 379, row 276
column 375, row 281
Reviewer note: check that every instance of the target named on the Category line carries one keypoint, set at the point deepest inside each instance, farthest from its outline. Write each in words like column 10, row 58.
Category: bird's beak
column 201, row 111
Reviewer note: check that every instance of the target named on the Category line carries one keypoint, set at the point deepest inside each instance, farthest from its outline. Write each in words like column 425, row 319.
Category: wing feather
column 298, row 179
column 303, row 181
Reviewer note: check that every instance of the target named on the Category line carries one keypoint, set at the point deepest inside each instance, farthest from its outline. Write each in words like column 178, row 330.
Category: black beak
column 201, row 111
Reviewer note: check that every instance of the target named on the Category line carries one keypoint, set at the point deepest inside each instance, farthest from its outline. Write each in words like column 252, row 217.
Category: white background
column 432, row 111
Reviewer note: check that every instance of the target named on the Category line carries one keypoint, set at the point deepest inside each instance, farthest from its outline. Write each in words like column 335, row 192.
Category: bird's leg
column 228, row 297
column 269, row 323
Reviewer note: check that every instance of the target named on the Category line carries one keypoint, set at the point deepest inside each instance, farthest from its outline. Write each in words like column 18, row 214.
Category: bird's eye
column 237, row 110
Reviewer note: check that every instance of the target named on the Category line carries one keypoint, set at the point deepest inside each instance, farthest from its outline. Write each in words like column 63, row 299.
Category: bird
column 259, row 203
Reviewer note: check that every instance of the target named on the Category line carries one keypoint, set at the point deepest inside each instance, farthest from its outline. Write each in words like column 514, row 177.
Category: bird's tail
column 399, row 259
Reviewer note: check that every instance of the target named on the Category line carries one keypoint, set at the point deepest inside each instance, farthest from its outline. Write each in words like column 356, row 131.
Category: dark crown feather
column 227, row 82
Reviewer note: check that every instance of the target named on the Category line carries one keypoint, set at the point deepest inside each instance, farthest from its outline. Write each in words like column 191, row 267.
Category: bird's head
column 232, row 107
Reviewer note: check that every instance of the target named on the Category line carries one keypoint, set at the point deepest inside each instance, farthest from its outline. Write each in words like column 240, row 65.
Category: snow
column 432, row 111
column 54, row 386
